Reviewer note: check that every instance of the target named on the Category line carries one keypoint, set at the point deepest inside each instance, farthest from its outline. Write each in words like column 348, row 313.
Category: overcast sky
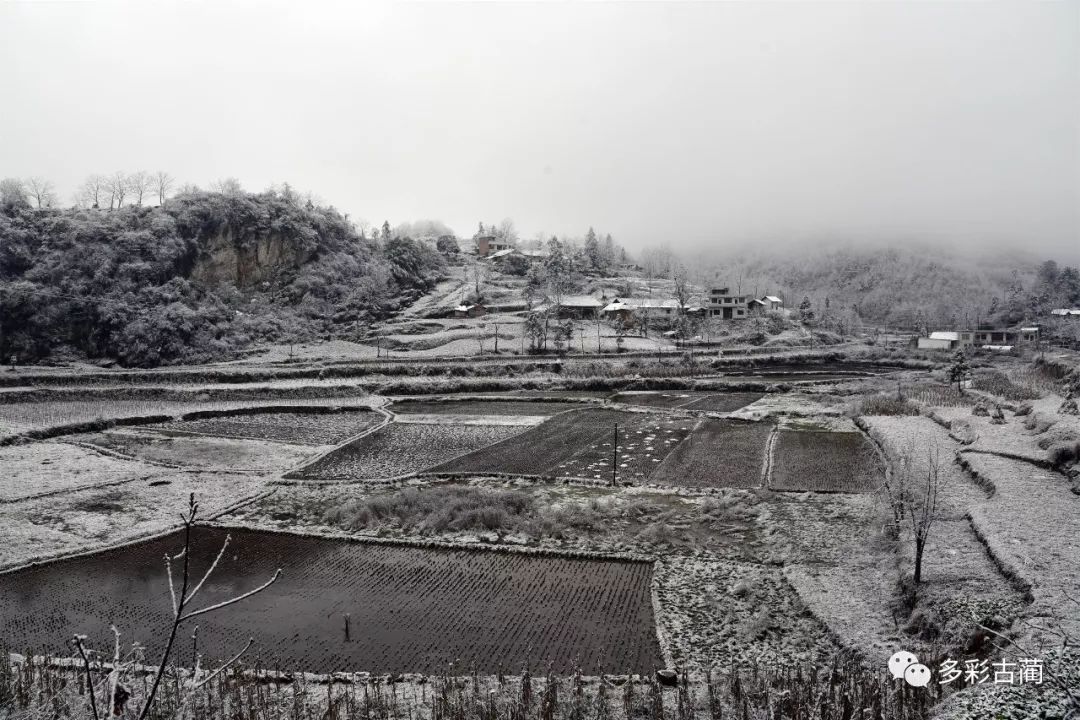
column 683, row 123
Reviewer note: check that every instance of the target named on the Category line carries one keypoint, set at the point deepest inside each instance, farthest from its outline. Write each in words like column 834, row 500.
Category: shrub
column 1062, row 455
column 1037, row 424
column 996, row 383
column 886, row 405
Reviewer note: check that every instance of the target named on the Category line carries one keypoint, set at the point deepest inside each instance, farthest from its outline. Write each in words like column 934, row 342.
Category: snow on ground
column 456, row 420
column 209, row 453
column 835, row 556
column 1031, row 525
column 19, row 418
column 960, row 579
column 789, row 404
column 91, row 519
column 47, row 467
column 714, row 613
column 1028, row 437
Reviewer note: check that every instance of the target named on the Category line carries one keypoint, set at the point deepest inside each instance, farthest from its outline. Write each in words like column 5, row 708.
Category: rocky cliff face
column 226, row 260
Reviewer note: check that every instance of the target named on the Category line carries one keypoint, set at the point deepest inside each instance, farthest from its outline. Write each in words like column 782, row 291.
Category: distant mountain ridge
column 909, row 286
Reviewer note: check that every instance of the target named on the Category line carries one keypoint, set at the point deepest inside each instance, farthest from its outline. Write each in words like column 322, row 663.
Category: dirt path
column 447, row 293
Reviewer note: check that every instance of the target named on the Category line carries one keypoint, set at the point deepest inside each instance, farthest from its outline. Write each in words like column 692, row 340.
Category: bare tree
column 140, row 183
column 117, row 186
column 506, row 231
column 41, row 191
column 91, row 191
column 914, row 487
column 181, row 614
column 163, row 181
column 227, row 186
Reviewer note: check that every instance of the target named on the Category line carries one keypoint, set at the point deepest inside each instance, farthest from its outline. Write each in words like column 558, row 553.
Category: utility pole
column 615, row 456
column 496, row 338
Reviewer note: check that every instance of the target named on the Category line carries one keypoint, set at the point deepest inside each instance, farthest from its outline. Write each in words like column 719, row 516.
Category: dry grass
column 452, row 508
column 996, row 383
column 886, row 405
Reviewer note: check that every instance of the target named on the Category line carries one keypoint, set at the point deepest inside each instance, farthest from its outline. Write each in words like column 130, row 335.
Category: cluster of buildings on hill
column 722, row 305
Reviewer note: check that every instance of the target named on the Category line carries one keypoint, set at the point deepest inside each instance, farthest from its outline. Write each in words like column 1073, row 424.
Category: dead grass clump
column 437, row 509
column 938, row 395
column 1037, row 424
column 924, row 624
column 1062, row 455
column 757, row 626
column 886, row 405
column 111, row 501
column 996, row 383
column 658, row 533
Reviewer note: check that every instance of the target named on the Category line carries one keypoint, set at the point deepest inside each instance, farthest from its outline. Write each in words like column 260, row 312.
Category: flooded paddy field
column 409, row 609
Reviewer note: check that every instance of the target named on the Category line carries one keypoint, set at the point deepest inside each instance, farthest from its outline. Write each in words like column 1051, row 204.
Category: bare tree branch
column 226, row 665
column 226, row 603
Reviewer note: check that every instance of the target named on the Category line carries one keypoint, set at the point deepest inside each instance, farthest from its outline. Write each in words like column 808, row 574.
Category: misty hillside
column 196, row 280
column 912, row 286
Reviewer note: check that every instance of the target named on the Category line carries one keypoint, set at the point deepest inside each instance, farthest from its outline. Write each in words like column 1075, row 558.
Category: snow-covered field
column 49, row 467
column 93, row 518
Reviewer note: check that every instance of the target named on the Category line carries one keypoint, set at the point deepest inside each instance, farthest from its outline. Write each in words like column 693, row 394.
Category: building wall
column 934, row 344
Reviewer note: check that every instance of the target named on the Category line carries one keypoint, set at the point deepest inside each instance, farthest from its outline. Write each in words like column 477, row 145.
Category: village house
column 489, row 244
column 722, row 304
column 940, row 340
column 576, row 307
column 470, row 311
column 983, row 338
column 629, row 310
column 1066, row 313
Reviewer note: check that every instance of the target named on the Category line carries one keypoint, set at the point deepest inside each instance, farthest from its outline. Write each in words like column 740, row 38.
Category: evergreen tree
column 959, row 369
column 592, row 250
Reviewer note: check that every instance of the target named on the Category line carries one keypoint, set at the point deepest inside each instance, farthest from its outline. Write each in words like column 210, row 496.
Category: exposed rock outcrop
column 226, row 259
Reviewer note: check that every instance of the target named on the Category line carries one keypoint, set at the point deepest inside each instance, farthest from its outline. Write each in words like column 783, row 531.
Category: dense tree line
column 121, row 283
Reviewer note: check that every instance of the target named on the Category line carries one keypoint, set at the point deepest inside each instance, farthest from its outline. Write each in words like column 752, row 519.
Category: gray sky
column 682, row 123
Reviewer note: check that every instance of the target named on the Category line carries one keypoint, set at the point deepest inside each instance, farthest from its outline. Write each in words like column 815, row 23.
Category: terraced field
column 689, row 400
column 409, row 609
column 400, row 448
column 825, row 462
column 477, row 407
column 287, row 427
column 644, row 441
column 540, row 450
column 719, row 453
column 580, row 444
